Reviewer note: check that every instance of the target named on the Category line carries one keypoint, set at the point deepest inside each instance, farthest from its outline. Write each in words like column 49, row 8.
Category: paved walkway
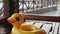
column 53, row 13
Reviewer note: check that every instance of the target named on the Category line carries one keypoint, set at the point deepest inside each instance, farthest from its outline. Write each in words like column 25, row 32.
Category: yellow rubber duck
column 19, row 28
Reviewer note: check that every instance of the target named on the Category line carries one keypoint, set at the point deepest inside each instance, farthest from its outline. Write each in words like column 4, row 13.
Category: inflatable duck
column 17, row 21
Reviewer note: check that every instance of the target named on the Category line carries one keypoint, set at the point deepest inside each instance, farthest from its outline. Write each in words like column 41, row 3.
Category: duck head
column 16, row 19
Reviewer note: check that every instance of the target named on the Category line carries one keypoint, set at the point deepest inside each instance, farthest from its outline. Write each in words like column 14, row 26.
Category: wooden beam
column 43, row 18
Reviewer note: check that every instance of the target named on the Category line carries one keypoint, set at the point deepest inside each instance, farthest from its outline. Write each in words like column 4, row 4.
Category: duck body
column 19, row 28
column 20, row 31
column 27, row 29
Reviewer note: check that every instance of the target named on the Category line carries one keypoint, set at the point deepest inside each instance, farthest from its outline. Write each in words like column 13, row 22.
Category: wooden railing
column 34, row 4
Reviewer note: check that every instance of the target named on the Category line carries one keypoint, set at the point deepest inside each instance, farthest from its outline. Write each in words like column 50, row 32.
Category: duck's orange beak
column 11, row 20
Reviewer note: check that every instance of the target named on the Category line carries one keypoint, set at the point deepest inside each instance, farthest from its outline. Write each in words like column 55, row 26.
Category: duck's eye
column 17, row 18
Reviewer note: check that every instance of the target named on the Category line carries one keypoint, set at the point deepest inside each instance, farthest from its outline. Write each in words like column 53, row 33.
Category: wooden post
column 11, row 8
column 14, row 6
column 5, row 8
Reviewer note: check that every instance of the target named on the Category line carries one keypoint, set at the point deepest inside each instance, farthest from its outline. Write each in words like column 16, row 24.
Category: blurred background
column 33, row 7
